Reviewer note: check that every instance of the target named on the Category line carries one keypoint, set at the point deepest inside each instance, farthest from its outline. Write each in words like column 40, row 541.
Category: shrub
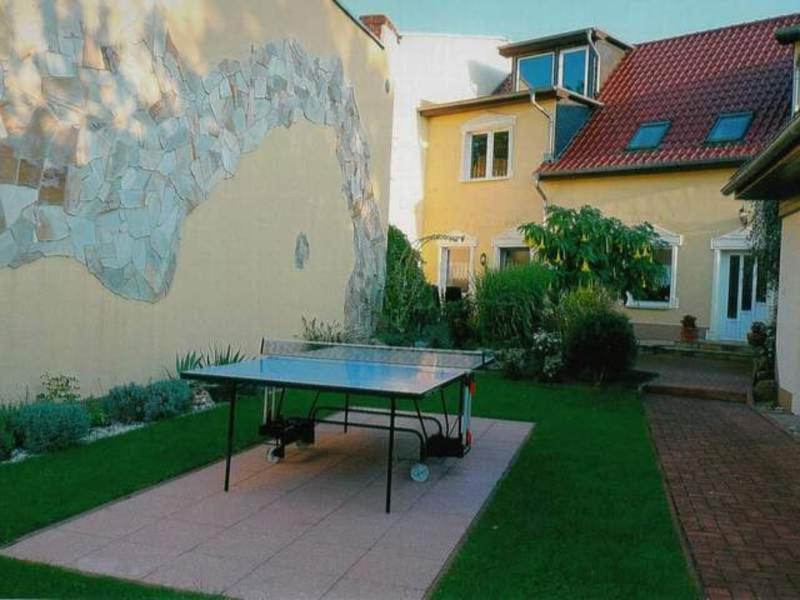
column 510, row 304
column 47, row 426
column 59, row 388
column 320, row 331
column 601, row 343
column 167, row 399
column 459, row 317
column 542, row 361
column 573, row 305
column 7, row 440
column 126, row 403
column 409, row 303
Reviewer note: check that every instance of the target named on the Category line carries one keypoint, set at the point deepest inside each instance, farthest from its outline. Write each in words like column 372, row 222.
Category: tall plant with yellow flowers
column 582, row 247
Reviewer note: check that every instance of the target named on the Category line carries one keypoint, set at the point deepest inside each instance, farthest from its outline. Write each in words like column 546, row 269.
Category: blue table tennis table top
column 352, row 376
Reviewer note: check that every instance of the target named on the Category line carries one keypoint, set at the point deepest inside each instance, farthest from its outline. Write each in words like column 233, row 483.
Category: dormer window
column 536, row 72
column 649, row 135
column 573, row 72
column 568, row 68
column 730, row 127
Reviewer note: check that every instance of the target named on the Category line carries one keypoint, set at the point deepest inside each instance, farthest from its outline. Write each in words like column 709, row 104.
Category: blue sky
column 632, row 20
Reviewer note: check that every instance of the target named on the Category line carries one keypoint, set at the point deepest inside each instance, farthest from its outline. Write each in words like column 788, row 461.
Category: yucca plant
column 187, row 362
column 224, row 355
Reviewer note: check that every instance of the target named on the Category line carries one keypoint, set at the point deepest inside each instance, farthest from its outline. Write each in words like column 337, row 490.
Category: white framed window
column 488, row 148
column 665, row 294
column 536, row 72
column 510, row 249
column 456, row 263
column 573, row 69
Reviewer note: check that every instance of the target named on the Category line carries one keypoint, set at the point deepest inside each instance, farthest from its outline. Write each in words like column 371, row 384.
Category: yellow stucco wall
column 788, row 343
column 481, row 209
column 235, row 277
column 687, row 203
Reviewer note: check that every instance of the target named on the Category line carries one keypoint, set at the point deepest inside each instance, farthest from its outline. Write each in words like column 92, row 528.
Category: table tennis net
column 423, row 357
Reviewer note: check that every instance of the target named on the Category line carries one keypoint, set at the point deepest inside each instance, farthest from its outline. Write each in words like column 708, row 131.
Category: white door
column 744, row 295
column 455, row 268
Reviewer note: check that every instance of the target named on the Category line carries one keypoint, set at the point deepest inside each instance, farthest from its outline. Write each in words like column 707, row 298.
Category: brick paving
column 734, row 479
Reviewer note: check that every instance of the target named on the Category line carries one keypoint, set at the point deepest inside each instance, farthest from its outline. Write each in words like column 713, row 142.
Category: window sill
column 652, row 305
column 486, row 179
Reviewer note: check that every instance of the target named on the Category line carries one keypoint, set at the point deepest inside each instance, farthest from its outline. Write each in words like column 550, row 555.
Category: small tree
column 583, row 247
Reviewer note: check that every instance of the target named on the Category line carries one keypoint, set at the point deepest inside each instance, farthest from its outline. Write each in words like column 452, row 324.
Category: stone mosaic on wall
column 108, row 161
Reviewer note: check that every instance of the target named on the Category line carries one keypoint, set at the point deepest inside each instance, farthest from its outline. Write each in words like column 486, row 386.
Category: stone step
column 719, row 350
column 702, row 393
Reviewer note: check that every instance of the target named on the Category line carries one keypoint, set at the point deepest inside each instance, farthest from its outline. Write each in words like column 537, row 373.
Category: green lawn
column 582, row 513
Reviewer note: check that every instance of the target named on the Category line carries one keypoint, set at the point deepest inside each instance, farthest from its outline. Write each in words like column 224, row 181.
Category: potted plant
column 689, row 328
column 757, row 336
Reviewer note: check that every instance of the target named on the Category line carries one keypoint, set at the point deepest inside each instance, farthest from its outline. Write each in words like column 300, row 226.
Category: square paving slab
column 312, row 526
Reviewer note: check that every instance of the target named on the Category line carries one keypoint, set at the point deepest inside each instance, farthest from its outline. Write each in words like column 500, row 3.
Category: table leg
column 346, row 411
column 389, row 466
column 231, row 427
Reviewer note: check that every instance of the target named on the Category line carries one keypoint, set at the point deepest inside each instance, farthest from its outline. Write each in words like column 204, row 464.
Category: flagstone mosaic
column 102, row 160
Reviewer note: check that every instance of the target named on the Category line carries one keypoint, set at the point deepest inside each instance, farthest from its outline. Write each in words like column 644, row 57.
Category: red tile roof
column 689, row 80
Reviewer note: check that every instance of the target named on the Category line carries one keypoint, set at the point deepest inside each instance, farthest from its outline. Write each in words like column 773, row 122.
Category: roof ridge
column 718, row 29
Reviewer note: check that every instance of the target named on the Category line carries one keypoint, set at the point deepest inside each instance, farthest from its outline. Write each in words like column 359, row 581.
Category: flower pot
column 756, row 338
column 689, row 334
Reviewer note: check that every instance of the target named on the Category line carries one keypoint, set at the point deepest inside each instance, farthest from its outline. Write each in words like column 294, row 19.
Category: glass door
column 745, row 295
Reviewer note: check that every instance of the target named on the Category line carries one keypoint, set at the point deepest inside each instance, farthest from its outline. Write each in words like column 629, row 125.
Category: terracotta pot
column 689, row 334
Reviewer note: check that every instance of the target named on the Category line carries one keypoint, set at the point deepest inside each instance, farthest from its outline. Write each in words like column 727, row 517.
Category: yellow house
column 646, row 133
column 774, row 175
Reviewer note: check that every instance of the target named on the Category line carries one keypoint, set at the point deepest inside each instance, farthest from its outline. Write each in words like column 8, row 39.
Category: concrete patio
column 310, row 527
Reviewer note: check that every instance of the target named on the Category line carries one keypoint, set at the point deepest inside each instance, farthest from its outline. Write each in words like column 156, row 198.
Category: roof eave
column 560, row 39
column 695, row 165
column 449, row 108
column 769, row 157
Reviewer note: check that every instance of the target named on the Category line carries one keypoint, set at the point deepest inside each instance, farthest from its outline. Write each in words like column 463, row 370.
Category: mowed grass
column 581, row 514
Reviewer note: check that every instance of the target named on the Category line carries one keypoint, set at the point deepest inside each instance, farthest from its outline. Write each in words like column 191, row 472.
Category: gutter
column 713, row 163
column 449, row 108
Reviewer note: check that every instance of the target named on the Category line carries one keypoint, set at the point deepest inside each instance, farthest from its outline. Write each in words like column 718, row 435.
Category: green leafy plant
column 126, row 403
column 223, row 355
column 573, row 304
column 167, row 399
column 409, row 302
column 602, row 344
column 187, row 362
column 7, row 440
column 320, row 331
column 97, row 416
column 582, row 246
column 59, row 388
column 48, row 426
column 510, row 304
column 765, row 237
column 689, row 322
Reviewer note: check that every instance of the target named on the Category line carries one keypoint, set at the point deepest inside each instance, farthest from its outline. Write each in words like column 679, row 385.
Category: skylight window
column 649, row 135
column 730, row 128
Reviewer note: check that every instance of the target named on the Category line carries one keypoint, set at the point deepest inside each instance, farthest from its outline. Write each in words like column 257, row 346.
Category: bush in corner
column 7, row 441
column 126, row 404
column 602, row 343
column 47, row 426
column 167, row 399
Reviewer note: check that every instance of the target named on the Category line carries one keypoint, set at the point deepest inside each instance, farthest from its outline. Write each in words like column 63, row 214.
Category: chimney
column 377, row 23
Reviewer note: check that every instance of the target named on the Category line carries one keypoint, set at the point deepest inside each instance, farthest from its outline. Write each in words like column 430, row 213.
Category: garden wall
column 180, row 174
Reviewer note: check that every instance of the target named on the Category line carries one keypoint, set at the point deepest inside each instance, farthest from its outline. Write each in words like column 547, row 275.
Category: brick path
column 735, row 483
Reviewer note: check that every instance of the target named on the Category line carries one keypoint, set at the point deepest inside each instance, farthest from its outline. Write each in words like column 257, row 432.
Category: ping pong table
column 410, row 375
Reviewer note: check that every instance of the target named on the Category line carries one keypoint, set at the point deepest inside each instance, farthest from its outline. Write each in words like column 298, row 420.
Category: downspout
column 550, row 150
column 590, row 40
